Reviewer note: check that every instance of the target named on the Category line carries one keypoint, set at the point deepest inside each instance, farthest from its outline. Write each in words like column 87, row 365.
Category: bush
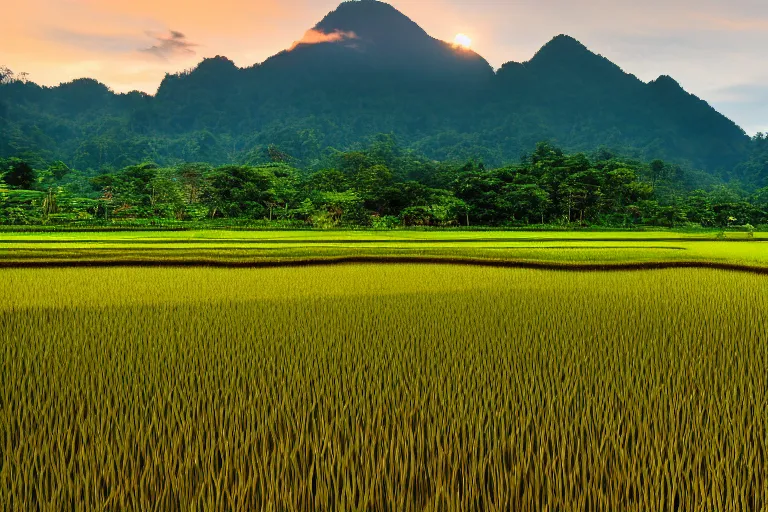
column 385, row 222
column 14, row 216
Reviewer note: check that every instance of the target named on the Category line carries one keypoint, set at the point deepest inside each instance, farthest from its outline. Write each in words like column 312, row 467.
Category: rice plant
column 363, row 387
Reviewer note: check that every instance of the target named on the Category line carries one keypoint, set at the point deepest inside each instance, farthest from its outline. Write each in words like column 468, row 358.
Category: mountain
column 365, row 69
column 391, row 42
column 588, row 101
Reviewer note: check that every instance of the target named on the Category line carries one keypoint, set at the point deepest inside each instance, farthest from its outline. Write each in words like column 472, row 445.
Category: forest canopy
column 381, row 185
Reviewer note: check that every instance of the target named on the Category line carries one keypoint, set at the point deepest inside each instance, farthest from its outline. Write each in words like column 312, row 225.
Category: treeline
column 381, row 186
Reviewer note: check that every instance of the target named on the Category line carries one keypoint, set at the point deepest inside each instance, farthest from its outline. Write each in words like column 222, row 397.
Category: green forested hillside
column 443, row 102
column 383, row 186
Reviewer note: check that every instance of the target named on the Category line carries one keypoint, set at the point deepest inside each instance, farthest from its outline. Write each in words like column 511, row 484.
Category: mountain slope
column 364, row 69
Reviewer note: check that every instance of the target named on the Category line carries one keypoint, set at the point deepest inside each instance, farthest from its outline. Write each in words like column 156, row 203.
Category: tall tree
column 19, row 174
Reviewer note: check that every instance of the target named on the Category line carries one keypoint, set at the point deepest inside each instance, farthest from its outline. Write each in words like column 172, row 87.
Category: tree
column 6, row 75
column 621, row 188
column 52, row 175
column 336, row 208
column 657, row 170
column 192, row 183
column 284, row 188
column 250, row 191
column 58, row 170
column 375, row 186
column 699, row 208
column 19, row 175
column 327, row 180
column 370, row 182
column 530, row 202
column 277, row 156
column 417, row 216
column 167, row 196
column 583, row 193
column 472, row 187
column 760, row 198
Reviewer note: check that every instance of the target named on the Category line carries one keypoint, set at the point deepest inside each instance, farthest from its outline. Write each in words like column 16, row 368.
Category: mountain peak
column 564, row 41
column 372, row 21
column 562, row 48
column 218, row 60
column 666, row 82
column 371, row 36
column 215, row 66
column 566, row 60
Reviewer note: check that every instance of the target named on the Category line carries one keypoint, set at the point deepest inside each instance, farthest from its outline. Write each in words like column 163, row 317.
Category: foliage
column 548, row 187
column 754, row 171
column 18, row 174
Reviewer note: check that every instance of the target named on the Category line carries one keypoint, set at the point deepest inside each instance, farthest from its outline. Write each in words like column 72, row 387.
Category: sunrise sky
column 714, row 48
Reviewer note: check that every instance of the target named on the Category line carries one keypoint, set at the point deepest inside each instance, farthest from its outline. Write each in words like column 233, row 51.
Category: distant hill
column 364, row 69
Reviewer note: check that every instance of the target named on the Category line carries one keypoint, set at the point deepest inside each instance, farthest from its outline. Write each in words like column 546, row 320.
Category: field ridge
column 390, row 260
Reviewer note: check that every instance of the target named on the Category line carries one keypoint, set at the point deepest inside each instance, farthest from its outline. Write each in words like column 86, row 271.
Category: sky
column 714, row 48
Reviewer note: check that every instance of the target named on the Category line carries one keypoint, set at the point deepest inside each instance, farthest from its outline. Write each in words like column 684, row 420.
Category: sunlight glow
column 462, row 41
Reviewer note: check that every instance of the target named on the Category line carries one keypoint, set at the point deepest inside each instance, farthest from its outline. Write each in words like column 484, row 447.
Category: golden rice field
column 383, row 387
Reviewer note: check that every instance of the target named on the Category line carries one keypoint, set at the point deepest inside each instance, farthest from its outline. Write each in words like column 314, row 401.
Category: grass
column 370, row 387
column 364, row 235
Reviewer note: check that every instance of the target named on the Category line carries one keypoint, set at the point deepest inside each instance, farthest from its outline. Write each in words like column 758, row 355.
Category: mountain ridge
column 415, row 86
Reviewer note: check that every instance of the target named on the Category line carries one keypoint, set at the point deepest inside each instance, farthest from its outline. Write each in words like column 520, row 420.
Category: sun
column 462, row 41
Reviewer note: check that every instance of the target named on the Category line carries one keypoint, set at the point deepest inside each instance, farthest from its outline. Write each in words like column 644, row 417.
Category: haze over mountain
column 365, row 69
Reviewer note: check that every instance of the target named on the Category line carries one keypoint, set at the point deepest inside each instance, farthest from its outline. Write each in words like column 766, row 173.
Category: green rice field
column 378, row 386
column 257, row 247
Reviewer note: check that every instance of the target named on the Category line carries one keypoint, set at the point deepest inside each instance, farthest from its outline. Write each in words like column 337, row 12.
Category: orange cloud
column 317, row 37
column 167, row 46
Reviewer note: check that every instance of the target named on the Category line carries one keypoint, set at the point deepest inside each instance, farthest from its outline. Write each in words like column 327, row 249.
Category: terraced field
column 377, row 386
